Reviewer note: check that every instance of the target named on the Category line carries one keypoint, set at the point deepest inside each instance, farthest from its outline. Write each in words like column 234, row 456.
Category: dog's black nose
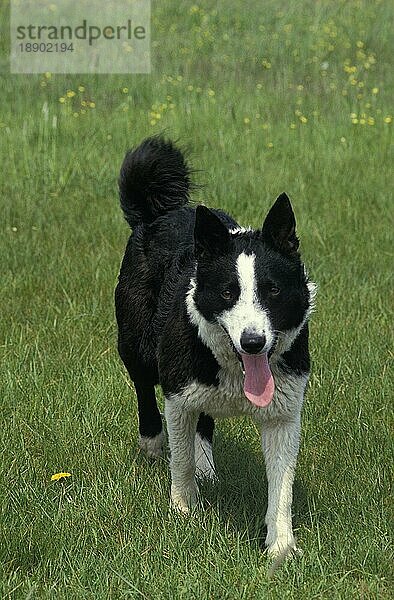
column 252, row 342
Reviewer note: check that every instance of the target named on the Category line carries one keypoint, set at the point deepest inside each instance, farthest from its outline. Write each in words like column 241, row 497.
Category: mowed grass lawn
column 269, row 97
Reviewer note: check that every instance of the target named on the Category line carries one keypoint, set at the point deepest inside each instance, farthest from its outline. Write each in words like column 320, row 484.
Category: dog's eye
column 274, row 291
column 226, row 295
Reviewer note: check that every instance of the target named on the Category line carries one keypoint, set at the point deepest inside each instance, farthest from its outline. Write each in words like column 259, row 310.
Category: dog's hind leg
column 150, row 424
column 205, row 467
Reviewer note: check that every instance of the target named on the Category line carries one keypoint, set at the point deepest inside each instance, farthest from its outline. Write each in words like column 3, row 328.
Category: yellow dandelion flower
column 353, row 81
column 353, row 115
column 246, row 120
column 362, row 121
column 48, row 75
column 259, row 86
column 360, row 44
column 92, row 104
column 125, row 90
column 388, row 119
column 303, row 119
column 270, row 145
column 371, row 121
column 75, row 114
column 300, row 87
column 375, row 90
column 81, row 88
column 43, row 84
column 70, row 94
column 211, row 93
column 361, row 84
column 58, row 476
column 190, row 88
column 343, row 140
column 368, row 105
column 153, row 122
column 355, row 121
column 62, row 100
column 179, row 78
column 293, row 125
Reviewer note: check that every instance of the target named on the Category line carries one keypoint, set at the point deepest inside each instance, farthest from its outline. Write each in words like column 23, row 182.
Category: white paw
column 283, row 549
column 280, row 551
column 205, row 467
column 183, row 499
column 152, row 446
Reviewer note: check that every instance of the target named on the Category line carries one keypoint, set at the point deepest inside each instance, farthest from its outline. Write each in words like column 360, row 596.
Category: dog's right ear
column 211, row 236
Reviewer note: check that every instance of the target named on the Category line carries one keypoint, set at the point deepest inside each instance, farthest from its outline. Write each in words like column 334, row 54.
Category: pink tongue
column 259, row 384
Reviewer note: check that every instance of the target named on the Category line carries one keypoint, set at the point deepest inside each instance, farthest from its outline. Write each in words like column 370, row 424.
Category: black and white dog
column 218, row 316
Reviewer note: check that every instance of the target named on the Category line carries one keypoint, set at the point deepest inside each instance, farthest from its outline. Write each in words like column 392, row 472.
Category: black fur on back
column 154, row 180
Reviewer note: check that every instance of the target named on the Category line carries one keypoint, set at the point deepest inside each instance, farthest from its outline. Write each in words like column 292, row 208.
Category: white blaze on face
column 247, row 314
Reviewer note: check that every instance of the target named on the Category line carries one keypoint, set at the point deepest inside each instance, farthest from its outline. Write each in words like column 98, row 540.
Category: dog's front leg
column 181, row 427
column 280, row 440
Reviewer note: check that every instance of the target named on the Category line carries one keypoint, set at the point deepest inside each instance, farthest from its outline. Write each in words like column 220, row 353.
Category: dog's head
column 252, row 284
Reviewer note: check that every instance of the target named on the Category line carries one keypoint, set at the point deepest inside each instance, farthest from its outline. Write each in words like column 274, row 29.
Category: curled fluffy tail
column 154, row 179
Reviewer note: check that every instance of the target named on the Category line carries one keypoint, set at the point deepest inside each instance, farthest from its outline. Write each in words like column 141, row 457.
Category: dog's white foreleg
column 280, row 440
column 181, row 427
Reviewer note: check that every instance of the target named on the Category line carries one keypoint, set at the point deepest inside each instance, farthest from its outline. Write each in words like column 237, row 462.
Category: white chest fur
column 228, row 398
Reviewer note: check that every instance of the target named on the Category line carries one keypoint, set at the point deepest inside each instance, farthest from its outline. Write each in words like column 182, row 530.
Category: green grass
column 226, row 82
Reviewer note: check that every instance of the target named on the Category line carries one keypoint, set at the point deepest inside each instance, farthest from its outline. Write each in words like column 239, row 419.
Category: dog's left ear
column 279, row 228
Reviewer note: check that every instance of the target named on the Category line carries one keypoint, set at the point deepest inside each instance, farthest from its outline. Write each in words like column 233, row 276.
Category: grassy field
column 269, row 96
